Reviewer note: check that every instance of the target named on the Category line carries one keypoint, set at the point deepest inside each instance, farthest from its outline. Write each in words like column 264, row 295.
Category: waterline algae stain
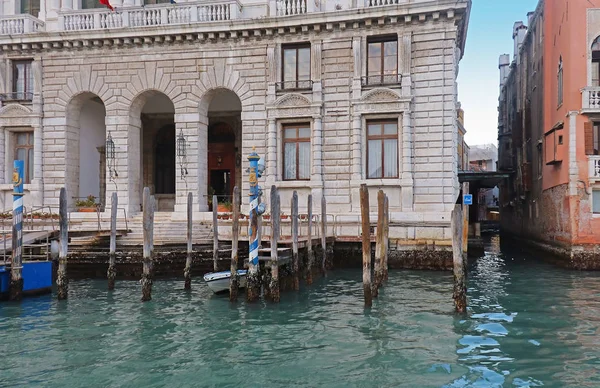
column 527, row 324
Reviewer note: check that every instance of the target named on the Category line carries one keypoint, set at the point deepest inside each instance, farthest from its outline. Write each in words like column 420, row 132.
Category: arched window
column 559, row 77
column 596, row 62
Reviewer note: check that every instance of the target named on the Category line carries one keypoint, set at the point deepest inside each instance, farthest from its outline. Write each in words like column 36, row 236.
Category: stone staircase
column 166, row 231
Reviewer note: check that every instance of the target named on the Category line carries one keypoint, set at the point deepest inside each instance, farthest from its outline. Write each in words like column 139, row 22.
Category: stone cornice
column 244, row 29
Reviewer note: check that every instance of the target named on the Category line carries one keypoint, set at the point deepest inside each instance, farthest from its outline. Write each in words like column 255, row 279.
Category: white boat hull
column 218, row 282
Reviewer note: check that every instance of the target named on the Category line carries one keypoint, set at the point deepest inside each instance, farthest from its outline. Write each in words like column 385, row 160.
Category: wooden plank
column 460, row 289
column 366, row 244
column 111, row 273
column 187, row 272
column 215, row 234
column 295, row 266
column 275, row 224
column 311, row 256
column 386, row 239
column 62, row 281
column 235, row 229
column 323, row 231
column 379, row 247
column 148, row 228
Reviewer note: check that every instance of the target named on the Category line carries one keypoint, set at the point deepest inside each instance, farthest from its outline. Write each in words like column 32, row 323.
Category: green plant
column 90, row 201
column 226, row 204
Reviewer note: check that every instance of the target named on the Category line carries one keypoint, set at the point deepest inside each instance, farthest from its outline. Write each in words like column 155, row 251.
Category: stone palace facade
column 332, row 94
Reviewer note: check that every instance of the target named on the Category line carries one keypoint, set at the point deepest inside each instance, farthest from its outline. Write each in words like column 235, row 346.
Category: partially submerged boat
column 218, row 282
column 37, row 278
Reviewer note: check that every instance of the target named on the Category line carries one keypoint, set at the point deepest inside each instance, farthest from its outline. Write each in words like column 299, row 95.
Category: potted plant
column 284, row 216
column 87, row 205
column 224, row 206
column 266, row 216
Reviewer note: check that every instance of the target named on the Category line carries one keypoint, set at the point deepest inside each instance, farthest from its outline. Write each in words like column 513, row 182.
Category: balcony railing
column 292, row 7
column 594, row 167
column 152, row 15
column 294, row 85
column 20, row 24
column 590, row 98
column 381, row 80
column 377, row 3
column 16, row 97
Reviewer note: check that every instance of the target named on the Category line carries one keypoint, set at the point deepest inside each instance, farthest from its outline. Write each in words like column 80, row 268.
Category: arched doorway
column 85, row 149
column 158, row 150
column 224, row 145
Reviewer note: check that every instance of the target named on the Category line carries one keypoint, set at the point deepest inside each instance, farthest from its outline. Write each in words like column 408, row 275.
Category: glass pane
column 304, row 160
column 374, row 129
column 19, row 86
column 21, row 138
column 596, row 201
column 390, row 65
column 290, row 133
column 390, row 48
column 304, row 132
column 289, row 168
column 596, row 74
column 21, row 154
column 29, row 165
column 375, row 50
column 289, row 64
column 374, row 66
column 28, row 79
column 304, row 63
column 390, row 129
column 390, row 150
column 90, row 4
column 374, row 159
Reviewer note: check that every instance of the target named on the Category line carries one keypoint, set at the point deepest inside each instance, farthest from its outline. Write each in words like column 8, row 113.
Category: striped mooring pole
column 16, row 278
column 253, row 278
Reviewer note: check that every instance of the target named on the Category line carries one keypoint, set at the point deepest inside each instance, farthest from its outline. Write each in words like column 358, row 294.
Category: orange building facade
column 549, row 131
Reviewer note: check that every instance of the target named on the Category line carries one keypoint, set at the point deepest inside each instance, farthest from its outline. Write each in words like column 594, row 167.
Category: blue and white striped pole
column 16, row 280
column 253, row 280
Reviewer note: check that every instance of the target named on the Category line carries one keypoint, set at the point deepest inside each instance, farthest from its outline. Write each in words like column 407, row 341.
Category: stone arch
column 85, row 80
column 85, row 137
column 221, row 76
column 292, row 99
column 12, row 110
column 380, row 94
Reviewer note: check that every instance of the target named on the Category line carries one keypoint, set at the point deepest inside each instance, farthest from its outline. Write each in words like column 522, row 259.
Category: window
column 560, row 82
column 31, row 7
column 91, row 4
column 23, row 150
column 596, row 201
column 596, row 62
column 382, row 149
column 296, row 152
column 540, row 159
column 382, row 60
column 152, row 2
column 22, row 80
column 296, row 67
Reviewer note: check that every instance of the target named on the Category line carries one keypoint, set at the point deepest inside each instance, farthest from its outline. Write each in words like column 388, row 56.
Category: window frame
column 297, row 140
column 28, row 82
column 382, row 39
column 382, row 137
column 560, row 80
column 29, row 147
column 31, row 9
column 296, row 81
column 594, row 214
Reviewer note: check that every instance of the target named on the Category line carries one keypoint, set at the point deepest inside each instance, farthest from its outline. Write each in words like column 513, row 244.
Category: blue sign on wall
column 468, row 199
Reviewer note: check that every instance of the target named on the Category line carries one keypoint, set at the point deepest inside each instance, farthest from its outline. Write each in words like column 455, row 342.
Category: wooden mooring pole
column 309, row 250
column 295, row 266
column 366, row 244
column 234, row 281
column 323, row 232
column 379, row 243
column 215, row 235
column 62, row 282
column 465, row 230
column 253, row 274
column 275, row 224
column 16, row 262
column 111, row 274
column 386, row 238
column 148, row 220
column 187, row 272
column 460, row 289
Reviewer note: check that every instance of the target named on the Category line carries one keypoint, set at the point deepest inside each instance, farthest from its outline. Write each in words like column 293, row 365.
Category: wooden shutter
column 588, row 128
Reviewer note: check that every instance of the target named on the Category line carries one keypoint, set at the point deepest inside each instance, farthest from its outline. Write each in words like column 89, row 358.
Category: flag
column 107, row 3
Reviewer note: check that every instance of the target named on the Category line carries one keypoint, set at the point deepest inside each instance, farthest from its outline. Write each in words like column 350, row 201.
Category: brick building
column 331, row 94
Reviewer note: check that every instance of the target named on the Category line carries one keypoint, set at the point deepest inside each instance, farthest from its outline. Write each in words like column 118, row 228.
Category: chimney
column 519, row 31
column 530, row 17
column 504, row 66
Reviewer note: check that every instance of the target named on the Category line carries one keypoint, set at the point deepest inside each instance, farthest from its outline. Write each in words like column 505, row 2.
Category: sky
column 489, row 36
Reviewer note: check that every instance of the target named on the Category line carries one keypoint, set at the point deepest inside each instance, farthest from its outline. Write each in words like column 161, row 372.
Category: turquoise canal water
column 530, row 324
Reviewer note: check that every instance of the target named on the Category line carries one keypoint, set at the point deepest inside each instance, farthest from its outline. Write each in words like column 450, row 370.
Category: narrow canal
column 530, row 324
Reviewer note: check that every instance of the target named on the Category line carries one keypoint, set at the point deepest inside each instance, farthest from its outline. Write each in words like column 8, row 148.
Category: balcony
column 20, row 24
column 382, row 80
column 16, row 97
column 294, row 86
column 590, row 99
column 150, row 15
column 594, row 167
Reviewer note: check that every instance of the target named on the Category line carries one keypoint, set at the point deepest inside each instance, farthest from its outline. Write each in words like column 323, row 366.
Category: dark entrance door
column 164, row 167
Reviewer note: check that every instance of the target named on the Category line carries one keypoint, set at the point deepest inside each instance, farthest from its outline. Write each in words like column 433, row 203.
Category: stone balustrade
column 590, row 99
column 20, row 24
column 155, row 15
column 594, row 167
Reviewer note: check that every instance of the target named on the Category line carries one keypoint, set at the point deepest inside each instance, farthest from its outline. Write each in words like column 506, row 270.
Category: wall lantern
column 182, row 153
column 110, row 157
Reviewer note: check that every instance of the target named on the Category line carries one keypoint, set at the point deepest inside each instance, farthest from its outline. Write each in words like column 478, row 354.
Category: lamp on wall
column 182, row 153
column 110, row 157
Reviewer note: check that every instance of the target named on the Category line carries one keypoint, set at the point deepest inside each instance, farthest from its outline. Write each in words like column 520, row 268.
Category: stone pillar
column 357, row 54
column 185, row 183
column 129, row 3
column 116, row 3
column 407, row 181
column 317, row 151
column 54, row 8
column 271, row 74
column 315, row 70
column 102, row 175
column 67, row 5
column 37, row 154
column 405, row 61
column 271, row 152
column 3, row 140
column 356, row 147
column 202, row 173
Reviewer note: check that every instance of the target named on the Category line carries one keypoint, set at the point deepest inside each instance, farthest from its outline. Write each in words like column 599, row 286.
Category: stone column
column 116, row 3
column 357, row 54
column 356, row 147
column 202, row 159
column 317, row 150
column 271, row 152
column 315, row 70
column 67, row 5
column 185, row 183
column 405, row 61
column 129, row 3
column 407, row 180
column 37, row 154
column 271, row 74
column 3, row 139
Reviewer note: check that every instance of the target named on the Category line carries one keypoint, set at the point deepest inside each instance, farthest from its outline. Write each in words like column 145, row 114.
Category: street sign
column 468, row 199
